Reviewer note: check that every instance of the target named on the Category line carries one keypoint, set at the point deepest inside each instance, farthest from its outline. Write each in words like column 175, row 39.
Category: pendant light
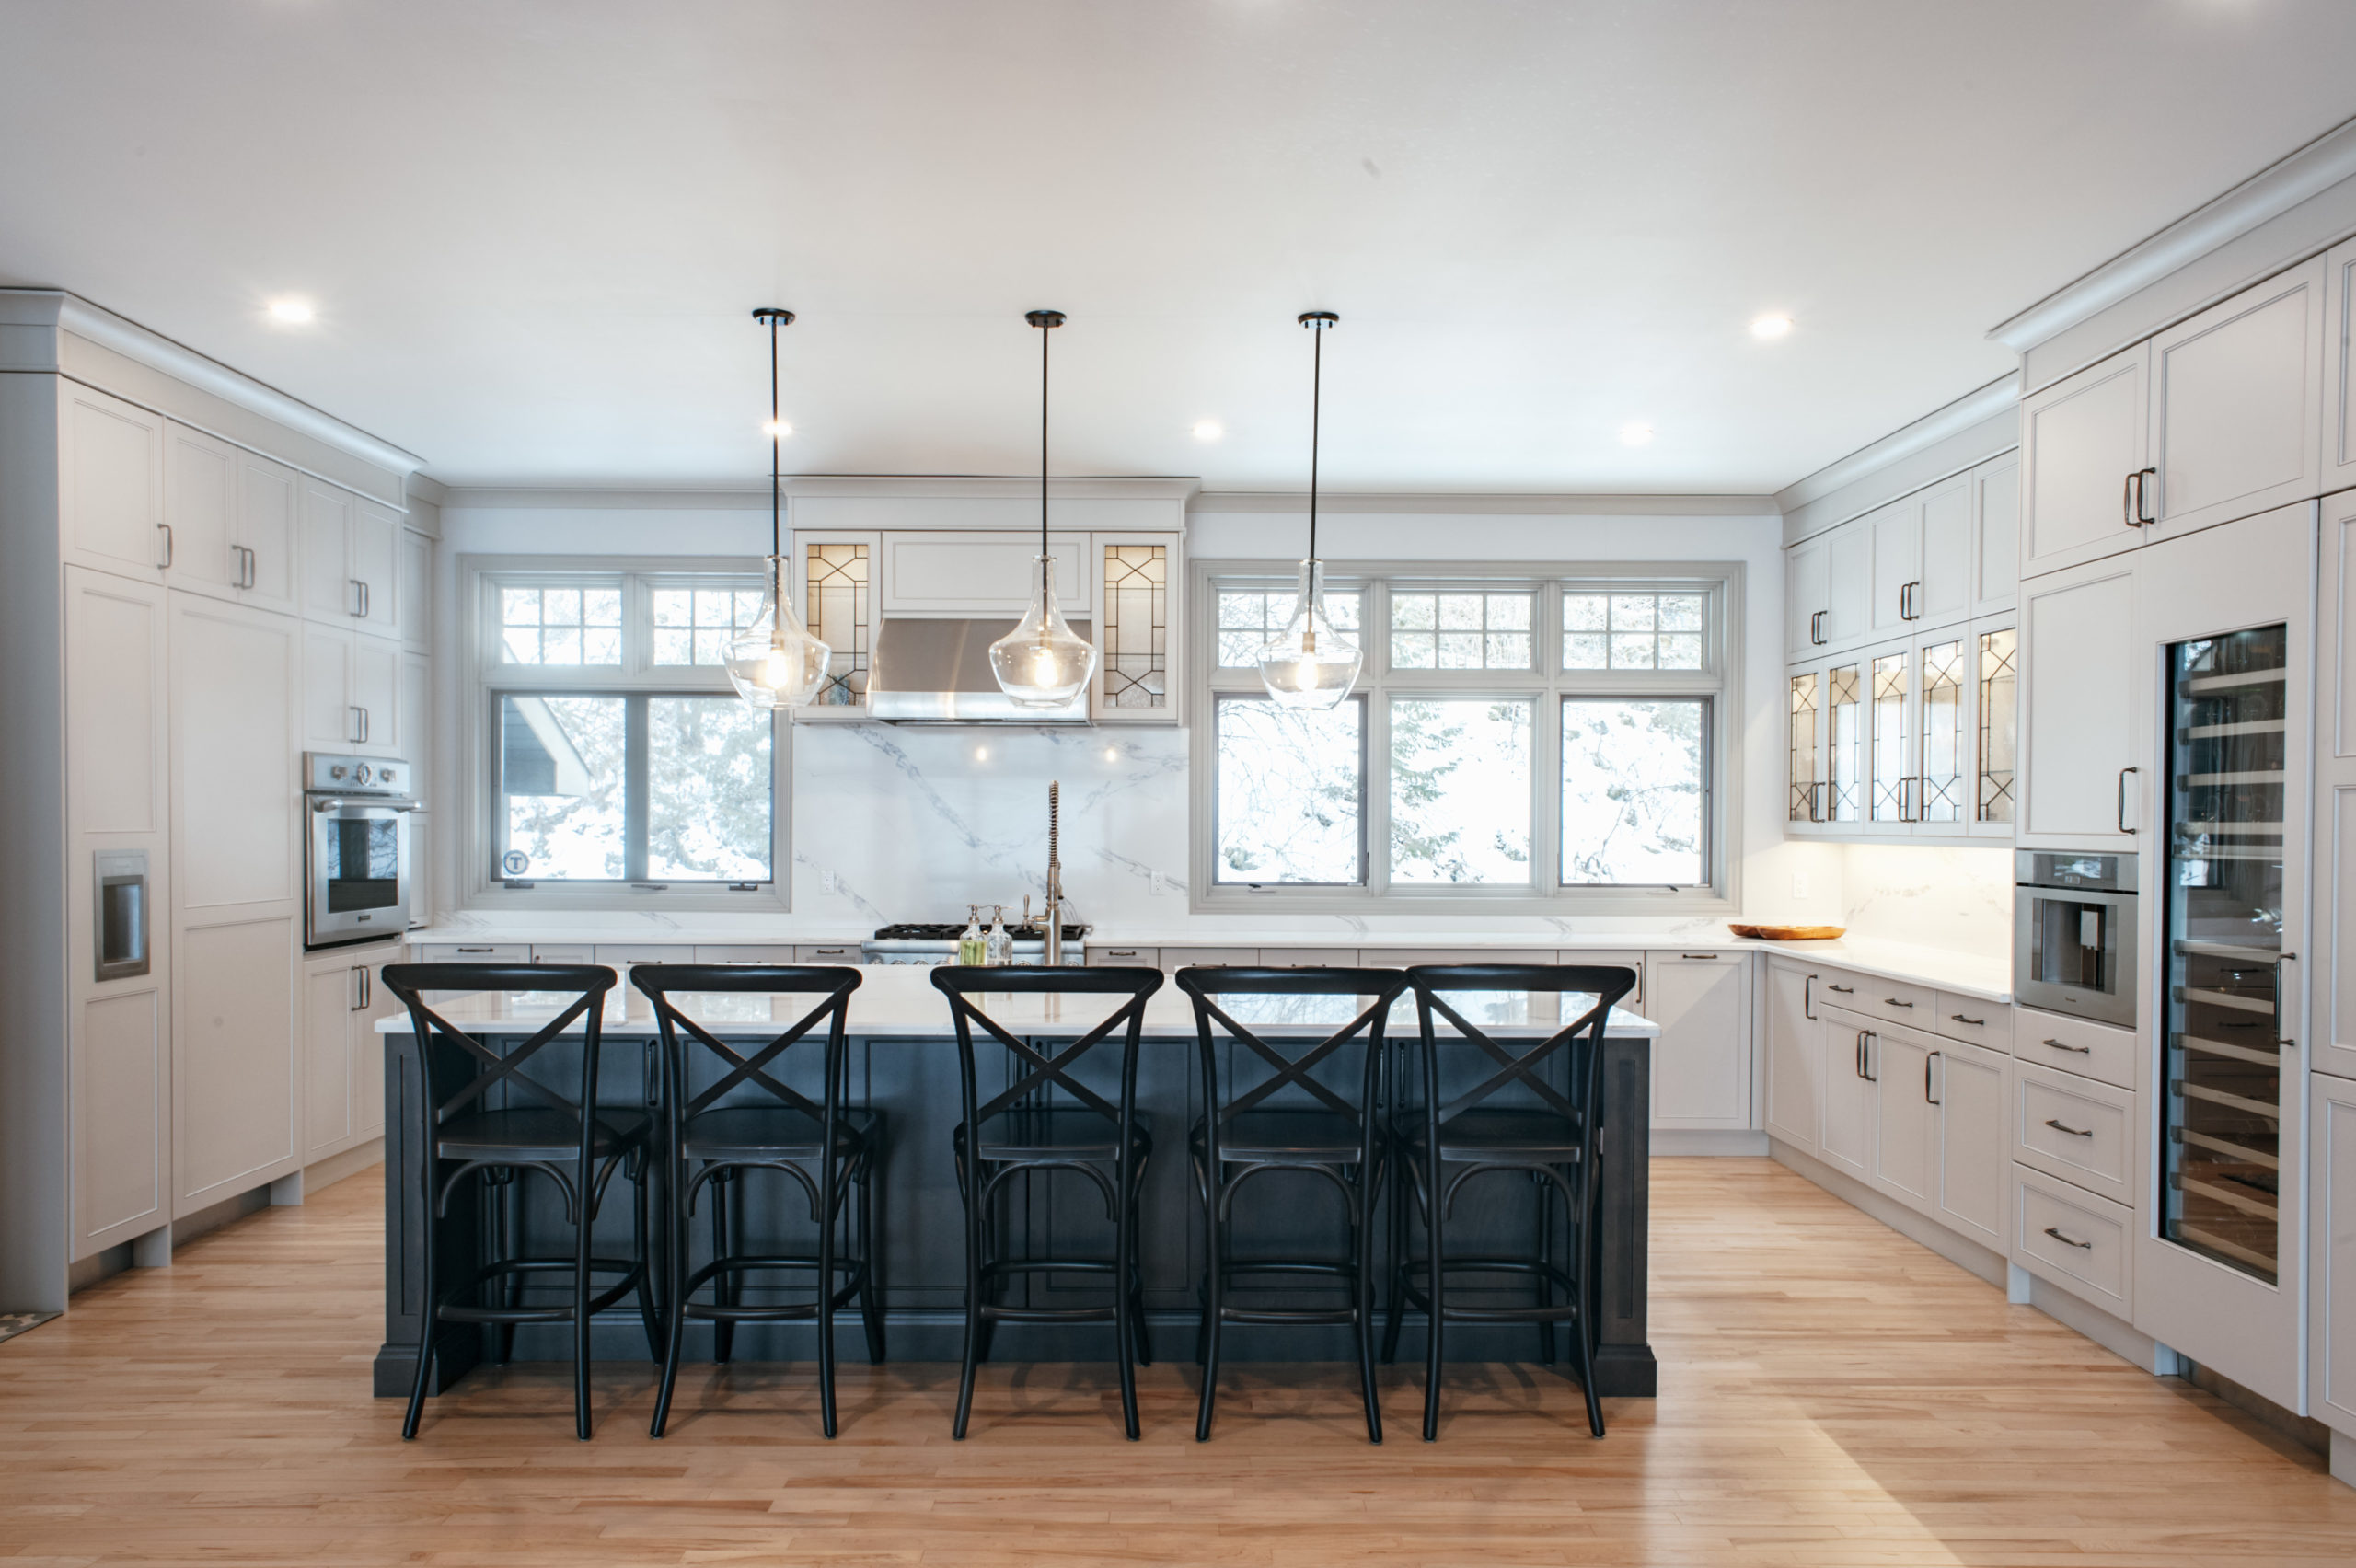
column 1043, row 663
column 1309, row 666
column 775, row 663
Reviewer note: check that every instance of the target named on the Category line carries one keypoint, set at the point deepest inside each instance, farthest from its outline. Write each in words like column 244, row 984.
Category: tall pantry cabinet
column 155, row 524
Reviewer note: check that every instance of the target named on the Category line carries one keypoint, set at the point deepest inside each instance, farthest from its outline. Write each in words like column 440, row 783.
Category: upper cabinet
column 111, row 478
column 1996, row 535
column 416, row 589
column 2236, row 405
column 2082, row 455
column 980, row 573
column 2338, row 455
column 352, row 560
column 2218, row 418
column 1829, row 589
column 230, row 514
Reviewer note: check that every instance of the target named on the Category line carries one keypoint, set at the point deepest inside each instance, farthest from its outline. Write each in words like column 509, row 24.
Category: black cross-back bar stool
column 579, row 1146
column 1018, row 1131
column 1513, row 1120
column 1286, row 1119
column 749, row 1120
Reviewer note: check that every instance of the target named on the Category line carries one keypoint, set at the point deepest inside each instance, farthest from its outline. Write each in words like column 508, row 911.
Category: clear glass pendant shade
column 775, row 663
column 1309, row 665
column 1043, row 663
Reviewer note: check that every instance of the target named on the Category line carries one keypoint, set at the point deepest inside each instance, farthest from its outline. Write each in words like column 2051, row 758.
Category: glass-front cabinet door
column 1844, row 744
column 1998, row 725
column 1890, row 760
column 1805, row 751
column 2221, row 1146
column 1943, row 779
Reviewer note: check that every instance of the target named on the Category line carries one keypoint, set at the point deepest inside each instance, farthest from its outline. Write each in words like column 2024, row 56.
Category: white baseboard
column 1708, row 1141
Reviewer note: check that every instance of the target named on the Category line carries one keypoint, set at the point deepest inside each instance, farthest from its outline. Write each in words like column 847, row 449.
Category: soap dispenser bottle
column 971, row 949
column 998, row 944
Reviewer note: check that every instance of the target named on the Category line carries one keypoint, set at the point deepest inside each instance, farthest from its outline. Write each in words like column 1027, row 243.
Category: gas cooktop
column 949, row 931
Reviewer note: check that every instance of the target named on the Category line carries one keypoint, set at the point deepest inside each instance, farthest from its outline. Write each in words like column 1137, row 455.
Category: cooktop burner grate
column 949, row 931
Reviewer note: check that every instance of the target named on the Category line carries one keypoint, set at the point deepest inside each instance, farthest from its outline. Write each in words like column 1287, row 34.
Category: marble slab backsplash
column 1958, row 899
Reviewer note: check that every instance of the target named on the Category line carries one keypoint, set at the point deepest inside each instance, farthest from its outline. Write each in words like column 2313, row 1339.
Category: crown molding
column 2264, row 196
column 1475, row 504
column 67, row 313
column 1982, row 403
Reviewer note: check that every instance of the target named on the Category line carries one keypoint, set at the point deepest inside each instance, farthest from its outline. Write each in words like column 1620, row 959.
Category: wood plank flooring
column 1830, row 1394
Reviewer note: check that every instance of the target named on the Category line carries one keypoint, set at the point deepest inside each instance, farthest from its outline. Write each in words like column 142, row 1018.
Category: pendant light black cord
column 777, row 440
column 1316, row 390
column 1042, row 437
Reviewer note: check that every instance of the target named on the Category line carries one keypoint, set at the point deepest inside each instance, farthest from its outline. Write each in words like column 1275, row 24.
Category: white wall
column 911, row 823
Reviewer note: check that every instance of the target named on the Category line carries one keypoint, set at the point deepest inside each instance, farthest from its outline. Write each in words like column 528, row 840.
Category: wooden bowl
column 1788, row 933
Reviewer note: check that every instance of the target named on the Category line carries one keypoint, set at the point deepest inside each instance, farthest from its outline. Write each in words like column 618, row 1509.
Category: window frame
column 1543, row 687
column 488, row 678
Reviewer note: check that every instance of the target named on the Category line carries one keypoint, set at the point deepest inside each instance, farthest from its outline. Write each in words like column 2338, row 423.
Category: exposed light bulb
column 1636, row 435
column 296, row 311
column 1208, row 430
column 1775, row 324
column 776, row 429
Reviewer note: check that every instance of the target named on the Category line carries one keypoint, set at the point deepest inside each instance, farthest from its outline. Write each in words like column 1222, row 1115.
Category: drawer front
column 614, row 955
column 2075, row 1240
column 1125, row 958
column 1401, row 958
column 1892, row 1001
column 2075, row 1046
column 1314, row 958
column 828, row 952
column 2071, row 1128
column 476, row 952
column 745, row 953
column 1621, row 958
column 564, row 953
column 1207, row 957
column 1968, row 1017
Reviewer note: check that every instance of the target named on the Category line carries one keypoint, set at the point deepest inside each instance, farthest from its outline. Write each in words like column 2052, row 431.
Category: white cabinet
column 1807, row 587
column 352, row 554
column 2331, row 976
column 2331, row 1310
column 1140, row 628
column 1973, row 1160
column 1906, row 1119
column 1995, row 536
column 2081, row 738
column 352, row 692
column 117, row 794
column 1920, row 548
column 416, row 589
column 1701, row 1060
column 1852, row 1101
column 2236, row 405
column 231, row 520
column 111, row 483
column 2083, row 444
column 413, row 728
column 2338, row 456
column 1896, row 535
column 981, row 573
column 344, row 1065
column 235, row 1070
column 1794, row 1109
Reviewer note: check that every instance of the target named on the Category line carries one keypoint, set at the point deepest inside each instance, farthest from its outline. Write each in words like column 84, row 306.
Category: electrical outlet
column 1800, row 885
column 829, row 882
column 1161, row 884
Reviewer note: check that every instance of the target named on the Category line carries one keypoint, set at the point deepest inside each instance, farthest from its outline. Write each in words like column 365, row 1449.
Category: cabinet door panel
column 328, row 1087
column 2236, row 395
column 115, row 701
column 1701, row 1062
column 1795, row 1057
column 1849, row 584
column 1895, row 532
column 329, row 722
column 201, row 509
column 235, row 1072
column 269, row 526
column 981, row 573
column 1974, row 1157
column 1805, row 588
column 2080, row 440
column 375, row 692
column 1996, row 535
column 1851, row 1103
column 2339, row 458
column 2077, row 696
column 236, row 677
column 1944, row 591
column 368, row 1049
column 111, row 483
column 328, row 593
column 2332, row 1305
column 1906, row 1126
column 376, row 564
column 120, row 1102
column 416, row 589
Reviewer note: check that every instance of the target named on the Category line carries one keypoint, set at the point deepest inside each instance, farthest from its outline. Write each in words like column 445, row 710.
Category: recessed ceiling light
column 294, row 310
column 1636, row 435
column 1207, row 430
column 776, row 427
column 1775, row 324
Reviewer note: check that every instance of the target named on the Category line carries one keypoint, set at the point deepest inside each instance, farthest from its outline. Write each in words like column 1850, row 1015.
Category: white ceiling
column 534, row 229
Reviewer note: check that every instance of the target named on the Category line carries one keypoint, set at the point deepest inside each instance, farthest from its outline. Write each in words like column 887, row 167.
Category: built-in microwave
column 2074, row 934
column 356, row 849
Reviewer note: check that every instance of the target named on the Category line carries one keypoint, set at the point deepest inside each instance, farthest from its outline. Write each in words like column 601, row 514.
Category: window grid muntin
column 1636, row 627
column 689, row 624
column 1247, row 614
column 560, row 622
column 1461, row 629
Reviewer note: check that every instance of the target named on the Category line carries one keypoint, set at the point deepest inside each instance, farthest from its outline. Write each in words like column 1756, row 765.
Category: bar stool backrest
column 830, row 984
column 583, row 987
column 1517, row 1063
column 1046, row 1067
column 1287, row 1060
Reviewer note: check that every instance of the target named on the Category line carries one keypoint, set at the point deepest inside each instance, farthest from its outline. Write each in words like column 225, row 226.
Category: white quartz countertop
column 1971, row 974
column 898, row 1001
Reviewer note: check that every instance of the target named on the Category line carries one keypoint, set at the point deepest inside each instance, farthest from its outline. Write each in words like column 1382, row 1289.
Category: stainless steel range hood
column 938, row 672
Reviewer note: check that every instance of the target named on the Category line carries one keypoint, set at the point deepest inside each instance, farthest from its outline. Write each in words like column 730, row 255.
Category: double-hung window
column 616, row 761
column 1518, row 738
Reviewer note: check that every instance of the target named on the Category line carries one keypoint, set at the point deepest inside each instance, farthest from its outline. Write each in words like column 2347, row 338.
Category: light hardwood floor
column 1830, row 1394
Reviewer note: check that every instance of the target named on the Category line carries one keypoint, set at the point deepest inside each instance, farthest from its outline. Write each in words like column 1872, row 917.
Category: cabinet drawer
column 1629, row 958
column 2090, row 1050
column 2075, row 1240
column 828, row 952
column 1894, row 1001
column 564, row 953
column 2076, row 1129
column 1187, row 958
column 1968, row 1017
column 1312, row 958
column 476, row 952
column 743, row 952
column 614, row 955
column 1124, row 957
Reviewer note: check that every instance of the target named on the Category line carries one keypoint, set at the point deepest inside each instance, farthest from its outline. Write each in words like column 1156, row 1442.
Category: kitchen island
column 903, row 1064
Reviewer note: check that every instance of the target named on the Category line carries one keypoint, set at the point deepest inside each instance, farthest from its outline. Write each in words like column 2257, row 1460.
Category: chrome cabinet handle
column 1865, row 1056
column 1816, row 629
column 1975, row 1022
column 2279, row 1039
column 2122, row 797
column 2080, row 1050
column 2127, row 501
column 1808, row 998
column 357, row 598
column 166, row 529
column 1858, row 1065
column 1927, row 1096
column 2073, row 1132
column 2144, row 496
column 359, row 724
column 2069, row 1240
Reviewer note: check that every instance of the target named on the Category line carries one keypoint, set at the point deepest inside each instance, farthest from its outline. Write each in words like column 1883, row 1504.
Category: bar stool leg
column 1125, row 1305
column 1545, row 1250
column 1214, row 1294
column 430, row 1310
column 1362, row 1290
column 1403, row 1183
column 584, row 1215
column 724, row 1331
column 675, row 1270
column 1434, row 1289
column 975, row 1175
column 870, row 1292
column 645, row 1258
